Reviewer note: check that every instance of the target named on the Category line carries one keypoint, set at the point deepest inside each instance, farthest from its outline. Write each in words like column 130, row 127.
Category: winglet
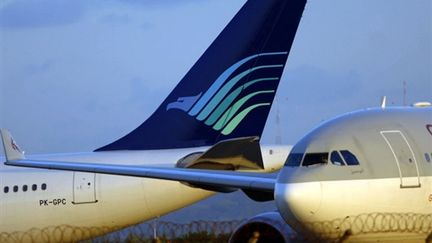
column 11, row 149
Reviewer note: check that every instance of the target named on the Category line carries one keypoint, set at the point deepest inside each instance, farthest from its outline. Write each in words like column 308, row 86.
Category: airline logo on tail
column 14, row 145
column 220, row 106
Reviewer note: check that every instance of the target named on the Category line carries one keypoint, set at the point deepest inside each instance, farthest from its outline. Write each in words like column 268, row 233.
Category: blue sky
column 75, row 75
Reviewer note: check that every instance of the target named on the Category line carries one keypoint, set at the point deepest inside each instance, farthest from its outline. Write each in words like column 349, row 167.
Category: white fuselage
column 361, row 209
column 384, row 193
column 93, row 204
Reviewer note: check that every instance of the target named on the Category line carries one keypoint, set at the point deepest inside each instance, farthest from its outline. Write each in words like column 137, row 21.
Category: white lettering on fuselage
column 54, row 202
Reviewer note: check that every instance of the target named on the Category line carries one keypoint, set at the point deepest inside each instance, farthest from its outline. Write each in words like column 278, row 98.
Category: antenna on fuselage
column 384, row 102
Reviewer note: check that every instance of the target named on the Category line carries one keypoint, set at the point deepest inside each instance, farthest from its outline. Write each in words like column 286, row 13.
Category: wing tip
column 11, row 149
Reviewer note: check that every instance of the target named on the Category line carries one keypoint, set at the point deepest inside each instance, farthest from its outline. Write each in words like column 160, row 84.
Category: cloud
column 42, row 13
column 20, row 14
column 39, row 68
column 154, row 3
column 114, row 18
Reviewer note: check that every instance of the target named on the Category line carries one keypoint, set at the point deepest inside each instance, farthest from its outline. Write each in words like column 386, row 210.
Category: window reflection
column 315, row 158
column 349, row 157
column 336, row 159
column 294, row 159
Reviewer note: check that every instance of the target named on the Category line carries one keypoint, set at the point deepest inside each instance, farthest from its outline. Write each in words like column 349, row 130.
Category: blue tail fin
column 229, row 91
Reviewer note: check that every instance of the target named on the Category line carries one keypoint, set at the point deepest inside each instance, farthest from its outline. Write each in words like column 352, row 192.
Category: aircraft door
column 404, row 157
column 84, row 188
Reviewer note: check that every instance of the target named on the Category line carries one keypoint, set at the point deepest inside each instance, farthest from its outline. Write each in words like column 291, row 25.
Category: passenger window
column 336, row 159
column 25, row 188
column 6, row 189
column 315, row 158
column 428, row 159
column 349, row 157
column 34, row 187
column 44, row 186
column 294, row 159
column 15, row 189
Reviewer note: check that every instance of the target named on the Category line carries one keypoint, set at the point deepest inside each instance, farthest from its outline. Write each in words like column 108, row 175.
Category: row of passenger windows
column 341, row 158
column 24, row 188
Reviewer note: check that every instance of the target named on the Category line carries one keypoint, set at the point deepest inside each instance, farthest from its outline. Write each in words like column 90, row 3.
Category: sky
column 76, row 75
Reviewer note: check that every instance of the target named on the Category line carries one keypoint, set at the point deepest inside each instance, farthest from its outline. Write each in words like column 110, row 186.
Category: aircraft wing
column 204, row 178
column 207, row 179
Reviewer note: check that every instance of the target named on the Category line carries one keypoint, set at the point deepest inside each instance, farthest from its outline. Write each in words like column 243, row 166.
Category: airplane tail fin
column 229, row 91
column 11, row 149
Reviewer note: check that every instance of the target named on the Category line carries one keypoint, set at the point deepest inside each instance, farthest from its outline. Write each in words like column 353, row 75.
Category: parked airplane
column 363, row 176
column 213, row 119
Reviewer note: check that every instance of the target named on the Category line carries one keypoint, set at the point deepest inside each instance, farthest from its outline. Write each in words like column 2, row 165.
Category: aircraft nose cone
column 298, row 202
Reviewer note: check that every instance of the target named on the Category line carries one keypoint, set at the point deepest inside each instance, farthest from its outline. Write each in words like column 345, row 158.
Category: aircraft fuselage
column 71, row 206
column 363, row 175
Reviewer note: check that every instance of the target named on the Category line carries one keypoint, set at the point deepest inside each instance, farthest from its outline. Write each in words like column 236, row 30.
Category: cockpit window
column 349, row 157
column 294, row 159
column 336, row 159
column 315, row 158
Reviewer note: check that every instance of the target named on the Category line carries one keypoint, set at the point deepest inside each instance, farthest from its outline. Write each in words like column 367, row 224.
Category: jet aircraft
column 362, row 176
column 213, row 119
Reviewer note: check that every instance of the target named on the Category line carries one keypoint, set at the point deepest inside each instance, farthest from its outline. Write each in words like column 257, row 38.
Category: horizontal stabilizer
column 11, row 149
